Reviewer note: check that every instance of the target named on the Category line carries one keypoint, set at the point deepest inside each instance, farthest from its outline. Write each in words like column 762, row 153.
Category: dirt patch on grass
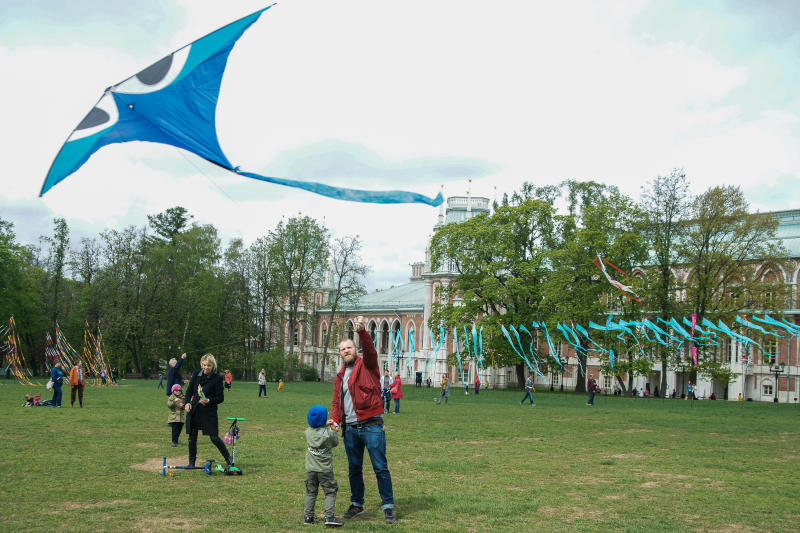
column 155, row 465
column 638, row 430
column 168, row 523
column 146, row 445
column 73, row 506
column 627, row 456
column 735, row 528
column 570, row 514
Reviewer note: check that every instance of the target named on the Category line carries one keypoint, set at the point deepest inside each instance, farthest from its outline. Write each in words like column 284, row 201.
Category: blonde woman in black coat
column 203, row 394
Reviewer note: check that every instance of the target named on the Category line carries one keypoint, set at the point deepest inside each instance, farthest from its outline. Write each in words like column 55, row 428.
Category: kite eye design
column 156, row 76
column 102, row 116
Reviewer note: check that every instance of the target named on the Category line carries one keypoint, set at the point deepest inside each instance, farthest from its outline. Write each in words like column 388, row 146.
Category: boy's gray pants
column 329, row 487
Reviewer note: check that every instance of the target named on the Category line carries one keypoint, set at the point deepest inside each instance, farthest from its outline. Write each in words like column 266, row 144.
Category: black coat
column 204, row 417
column 174, row 376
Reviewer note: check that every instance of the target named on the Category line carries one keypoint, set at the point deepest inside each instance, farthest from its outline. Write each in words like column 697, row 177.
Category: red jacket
column 397, row 388
column 364, row 384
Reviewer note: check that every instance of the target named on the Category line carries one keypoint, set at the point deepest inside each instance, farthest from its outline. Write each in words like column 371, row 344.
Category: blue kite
column 174, row 102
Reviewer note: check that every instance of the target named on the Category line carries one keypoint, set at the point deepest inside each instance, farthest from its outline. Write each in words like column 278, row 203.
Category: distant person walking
column 262, row 383
column 397, row 392
column 529, row 390
column 174, row 373
column 77, row 380
column 444, row 391
column 160, row 382
column 477, row 384
column 591, row 385
column 228, row 379
column 386, row 390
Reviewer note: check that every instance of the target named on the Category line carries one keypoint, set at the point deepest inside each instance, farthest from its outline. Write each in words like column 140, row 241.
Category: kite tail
column 352, row 195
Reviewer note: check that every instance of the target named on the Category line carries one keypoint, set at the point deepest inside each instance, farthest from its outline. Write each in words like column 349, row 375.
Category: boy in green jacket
column 321, row 439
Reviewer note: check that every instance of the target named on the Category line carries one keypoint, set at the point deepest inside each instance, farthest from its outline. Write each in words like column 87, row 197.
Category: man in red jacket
column 358, row 408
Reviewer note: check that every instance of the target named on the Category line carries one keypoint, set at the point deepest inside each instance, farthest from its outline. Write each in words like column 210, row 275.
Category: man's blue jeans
column 56, row 395
column 374, row 439
column 528, row 396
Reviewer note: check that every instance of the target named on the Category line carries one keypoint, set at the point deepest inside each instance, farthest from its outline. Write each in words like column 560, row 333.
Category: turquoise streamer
column 756, row 327
column 411, row 342
column 552, row 346
column 436, row 347
column 458, row 354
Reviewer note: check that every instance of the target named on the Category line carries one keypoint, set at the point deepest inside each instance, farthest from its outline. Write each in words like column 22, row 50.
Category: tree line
column 533, row 257
column 170, row 287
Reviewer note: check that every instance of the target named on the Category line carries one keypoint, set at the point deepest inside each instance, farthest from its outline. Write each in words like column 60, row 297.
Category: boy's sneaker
column 332, row 521
column 309, row 520
column 353, row 511
column 390, row 515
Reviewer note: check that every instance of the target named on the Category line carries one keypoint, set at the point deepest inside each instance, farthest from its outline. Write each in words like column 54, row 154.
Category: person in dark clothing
column 203, row 394
column 591, row 386
column 174, row 373
column 57, row 377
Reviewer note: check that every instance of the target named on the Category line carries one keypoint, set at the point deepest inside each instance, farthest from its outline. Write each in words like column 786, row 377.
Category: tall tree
column 600, row 220
column 266, row 291
column 665, row 206
column 21, row 293
column 724, row 249
column 56, row 261
column 237, row 323
column 170, row 223
column 501, row 261
column 299, row 248
column 347, row 274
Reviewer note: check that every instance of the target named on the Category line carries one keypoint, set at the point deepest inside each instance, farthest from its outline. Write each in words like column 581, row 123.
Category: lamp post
column 777, row 370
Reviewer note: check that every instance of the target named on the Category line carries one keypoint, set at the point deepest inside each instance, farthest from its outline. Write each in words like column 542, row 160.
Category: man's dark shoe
column 353, row 511
column 309, row 520
column 391, row 517
column 332, row 521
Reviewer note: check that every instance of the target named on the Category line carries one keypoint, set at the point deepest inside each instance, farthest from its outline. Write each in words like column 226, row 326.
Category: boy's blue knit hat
column 317, row 416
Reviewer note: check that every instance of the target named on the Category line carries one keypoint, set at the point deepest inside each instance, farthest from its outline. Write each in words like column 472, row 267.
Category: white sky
column 411, row 95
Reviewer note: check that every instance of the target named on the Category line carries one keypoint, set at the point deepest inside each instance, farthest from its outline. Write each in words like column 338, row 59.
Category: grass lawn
column 481, row 463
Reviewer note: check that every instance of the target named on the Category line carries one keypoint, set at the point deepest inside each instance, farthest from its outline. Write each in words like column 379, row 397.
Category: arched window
column 385, row 338
column 322, row 334
column 373, row 332
column 335, row 335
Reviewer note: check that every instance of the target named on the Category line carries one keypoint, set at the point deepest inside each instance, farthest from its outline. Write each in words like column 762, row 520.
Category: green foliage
column 307, row 373
column 298, row 250
column 273, row 362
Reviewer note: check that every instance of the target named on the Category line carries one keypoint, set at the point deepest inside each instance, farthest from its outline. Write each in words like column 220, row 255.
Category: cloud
column 345, row 163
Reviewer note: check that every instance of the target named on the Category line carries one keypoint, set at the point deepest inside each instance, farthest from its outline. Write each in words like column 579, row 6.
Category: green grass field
column 478, row 464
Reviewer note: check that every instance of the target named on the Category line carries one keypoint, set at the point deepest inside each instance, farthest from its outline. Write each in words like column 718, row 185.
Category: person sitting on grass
column 321, row 439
